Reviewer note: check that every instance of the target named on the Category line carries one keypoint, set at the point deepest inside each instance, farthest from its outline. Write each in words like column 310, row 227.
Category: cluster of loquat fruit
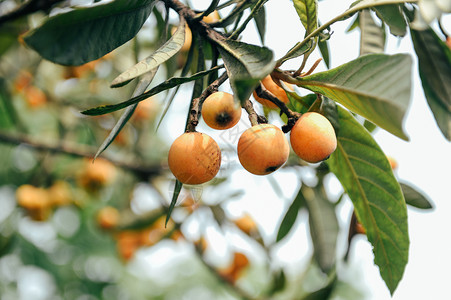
column 39, row 202
column 195, row 157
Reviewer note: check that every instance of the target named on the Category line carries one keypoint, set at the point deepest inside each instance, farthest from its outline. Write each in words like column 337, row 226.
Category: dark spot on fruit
column 272, row 169
column 223, row 118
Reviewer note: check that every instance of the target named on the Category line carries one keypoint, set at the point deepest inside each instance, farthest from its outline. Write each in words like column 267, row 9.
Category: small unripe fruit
column 220, row 111
column 262, row 149
column 276, row 90
column 313, row 137
column 194, row 158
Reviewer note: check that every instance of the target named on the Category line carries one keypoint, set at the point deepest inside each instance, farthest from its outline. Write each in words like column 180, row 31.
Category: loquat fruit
column 108, row 217
column 262, row 149
column 97, row 174
column 60, row 193
column 276, row 90
column 212, row 17
column 194, row 158
column 313, row 137
column 246, row 224
column 220, row 111
column 35, row 200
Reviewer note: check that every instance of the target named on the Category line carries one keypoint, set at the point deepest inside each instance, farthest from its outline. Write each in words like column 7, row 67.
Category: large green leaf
column 165, row 52
column 307, row 12
column 434, row 61
column 375, row 86
column 246, row 65
column 168, row 84
column 366, row 176
column 372, row 36
column 323, row 227
column 87, row 33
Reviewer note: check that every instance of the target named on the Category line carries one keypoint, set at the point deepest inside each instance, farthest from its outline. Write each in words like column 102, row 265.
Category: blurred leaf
column 140, row 88
column 165, row 52
column 291, row 215
column 170, row 83
column 414, row 197
column 366, row 176
column 375, row 86
column 8, row 115
column 260, row 22
column 323, row 227
column 393, row 16
column 246, row 65
column 279, row 281
column 323, row 46
column 307, row 12
column 434, row 62
column 372, row 36
column 323, row 293
column 88, row 33
column 177, row 187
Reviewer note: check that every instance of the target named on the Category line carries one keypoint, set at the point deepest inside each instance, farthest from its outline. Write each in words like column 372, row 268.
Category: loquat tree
column 92, row 183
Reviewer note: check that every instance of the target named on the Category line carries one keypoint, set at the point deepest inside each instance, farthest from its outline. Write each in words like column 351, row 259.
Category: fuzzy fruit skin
column 276, row 90
column 194, row 158
column 313, row 137
column 262, row 149
column 220, row 111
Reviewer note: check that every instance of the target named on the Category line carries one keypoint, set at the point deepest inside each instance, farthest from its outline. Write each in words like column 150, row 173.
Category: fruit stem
column 263, row 93
column 254, row 118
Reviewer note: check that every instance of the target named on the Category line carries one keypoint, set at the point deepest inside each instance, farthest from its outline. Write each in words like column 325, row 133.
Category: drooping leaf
column 393, row 16
column 170, row 83
column 375, row 86
column 302, row 50
column 323, row 46
column 246, row 65
column 140, row 88
column 414, row 197
column 177, row 188
column 372, row 36
column 165, row 52
column 88, row 33
column 366, row 176
column 434, row 62
column 307, row 12
column 260, row 22
column 323, row 227
column 291, row 215
column 279, row 282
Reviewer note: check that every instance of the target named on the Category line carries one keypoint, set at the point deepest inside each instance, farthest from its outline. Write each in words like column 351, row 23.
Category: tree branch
column 28, row 8
column 77, row 151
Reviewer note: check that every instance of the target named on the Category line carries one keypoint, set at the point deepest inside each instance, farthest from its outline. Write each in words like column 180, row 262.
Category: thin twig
column 254, row 118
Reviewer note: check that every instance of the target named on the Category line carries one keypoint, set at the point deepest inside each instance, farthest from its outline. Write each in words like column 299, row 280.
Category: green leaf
column 302, row 50
column 168, row 84
column 366, row 176
column 246, row 65
column 393, row 16
column 165, row 52
column 375, row 86
column 414, row 197
column 434, row 62
column 372, row 36
column 323, row 46
column 88, row 33
column 260, row 22
column 307, row 12
column 323, row 227
column 175, row 195
column 140, row 88
column 291, row 215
